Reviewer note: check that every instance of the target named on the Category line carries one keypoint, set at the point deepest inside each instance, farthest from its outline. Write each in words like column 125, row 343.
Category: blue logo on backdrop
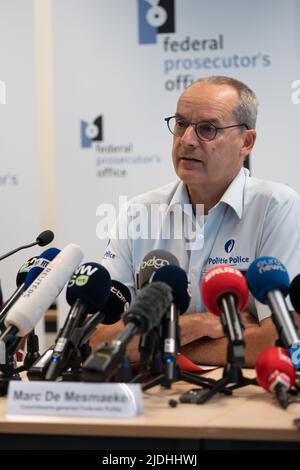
column 91, row 132
column 155, row 17
column 229, row 245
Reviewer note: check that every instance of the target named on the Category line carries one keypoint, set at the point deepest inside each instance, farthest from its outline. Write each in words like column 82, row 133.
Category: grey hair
column 246, row 110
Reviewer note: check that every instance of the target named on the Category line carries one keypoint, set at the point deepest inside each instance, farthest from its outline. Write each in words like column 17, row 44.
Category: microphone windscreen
column 41, row 262
column 29, row 308
column 118, row 302
column 176, row 278
column 91, row 284
column 270, row 361
column 45, row 238
column 149, row 306
column 154, row 260
column 221, row 280
column 24, row 270
column 267, row 274
column 294, row 293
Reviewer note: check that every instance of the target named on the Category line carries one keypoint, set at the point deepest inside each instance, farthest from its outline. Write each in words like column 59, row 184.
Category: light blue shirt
column 253, row 218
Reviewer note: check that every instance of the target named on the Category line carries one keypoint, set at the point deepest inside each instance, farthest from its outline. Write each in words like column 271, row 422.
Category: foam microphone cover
column 295, row 293
column 118, row 302
column 30, row 307
column 24, row 270
column 154, row 260
column 272, row 360
column 41, row 262
column 149, row 306
column 91, row 284
column 266, row 274
column 176, row 278
column 221, row 280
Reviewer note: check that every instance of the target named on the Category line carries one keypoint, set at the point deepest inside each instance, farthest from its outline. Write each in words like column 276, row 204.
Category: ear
column 248, row 143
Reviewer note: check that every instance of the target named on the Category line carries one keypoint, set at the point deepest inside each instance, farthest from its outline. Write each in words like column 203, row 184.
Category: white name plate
column 115, row 400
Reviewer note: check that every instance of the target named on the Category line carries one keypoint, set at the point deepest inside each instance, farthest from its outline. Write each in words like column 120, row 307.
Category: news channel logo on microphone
column 294, row 353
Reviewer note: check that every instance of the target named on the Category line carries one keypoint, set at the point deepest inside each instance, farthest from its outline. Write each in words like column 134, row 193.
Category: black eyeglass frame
column 195, row 124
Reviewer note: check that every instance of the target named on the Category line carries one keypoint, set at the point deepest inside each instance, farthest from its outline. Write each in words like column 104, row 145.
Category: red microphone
column 276, row 373
column 225, row 293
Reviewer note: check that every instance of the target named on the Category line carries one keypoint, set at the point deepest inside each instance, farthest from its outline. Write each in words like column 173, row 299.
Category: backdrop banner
column 120, row 67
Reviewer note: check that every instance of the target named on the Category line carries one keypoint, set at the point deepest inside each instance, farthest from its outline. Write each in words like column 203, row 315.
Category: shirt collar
column 181, row 197
column 233, row 196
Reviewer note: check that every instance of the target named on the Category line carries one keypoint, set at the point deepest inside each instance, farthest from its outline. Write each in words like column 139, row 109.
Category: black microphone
column 176, row 278
column 151, row 263
column 87, row 292
column 144, row 314
column 118, row 302
column 42, row 239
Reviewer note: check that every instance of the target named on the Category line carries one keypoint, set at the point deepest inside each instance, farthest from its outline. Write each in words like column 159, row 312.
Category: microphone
column 276, row 373
column 118, row 301
column 225, row 293
column 28, row 310
column 153, row 261
column 269, row 282
column 87, row 292
column 20, row 279
column 295, row 300
column 40, row 264
column 176, row 278
column 42, row 239
column 34, row 266
column 144, row 314
column 294, row 293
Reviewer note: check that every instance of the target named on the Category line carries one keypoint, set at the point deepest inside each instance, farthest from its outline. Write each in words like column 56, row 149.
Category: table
column 244, row 419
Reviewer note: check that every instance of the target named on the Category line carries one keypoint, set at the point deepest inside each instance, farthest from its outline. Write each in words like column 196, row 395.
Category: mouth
column 187, row 159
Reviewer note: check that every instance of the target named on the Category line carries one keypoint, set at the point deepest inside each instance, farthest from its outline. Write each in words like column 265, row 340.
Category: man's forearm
column 109, row 332
column 214, row 351
column 194, row 326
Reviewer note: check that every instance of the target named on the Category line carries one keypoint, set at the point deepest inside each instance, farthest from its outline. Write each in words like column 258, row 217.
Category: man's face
column 216, row 162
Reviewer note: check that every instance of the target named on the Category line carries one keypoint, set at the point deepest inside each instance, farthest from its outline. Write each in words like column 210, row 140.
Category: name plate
column 115, row 400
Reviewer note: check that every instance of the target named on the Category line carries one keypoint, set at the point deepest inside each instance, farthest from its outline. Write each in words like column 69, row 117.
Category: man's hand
column 197, row 325
column 194, row 326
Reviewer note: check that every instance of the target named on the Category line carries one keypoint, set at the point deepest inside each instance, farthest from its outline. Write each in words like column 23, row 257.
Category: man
column 213, row 132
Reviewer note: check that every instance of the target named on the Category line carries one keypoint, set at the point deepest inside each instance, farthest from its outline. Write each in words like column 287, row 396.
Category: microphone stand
column 232, row 373
column 150, row 355
column 81, row 349
column 169, row 347
column 7, row 368
column 32, row 355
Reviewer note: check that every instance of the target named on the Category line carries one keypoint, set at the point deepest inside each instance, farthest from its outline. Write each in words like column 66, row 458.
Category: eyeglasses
column 205, row 131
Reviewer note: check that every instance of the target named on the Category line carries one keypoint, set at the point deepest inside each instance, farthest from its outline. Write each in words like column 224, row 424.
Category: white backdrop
column 19, row 185
column 117, row 77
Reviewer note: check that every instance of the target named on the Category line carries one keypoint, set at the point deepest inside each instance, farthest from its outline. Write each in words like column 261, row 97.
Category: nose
column 190, row 137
